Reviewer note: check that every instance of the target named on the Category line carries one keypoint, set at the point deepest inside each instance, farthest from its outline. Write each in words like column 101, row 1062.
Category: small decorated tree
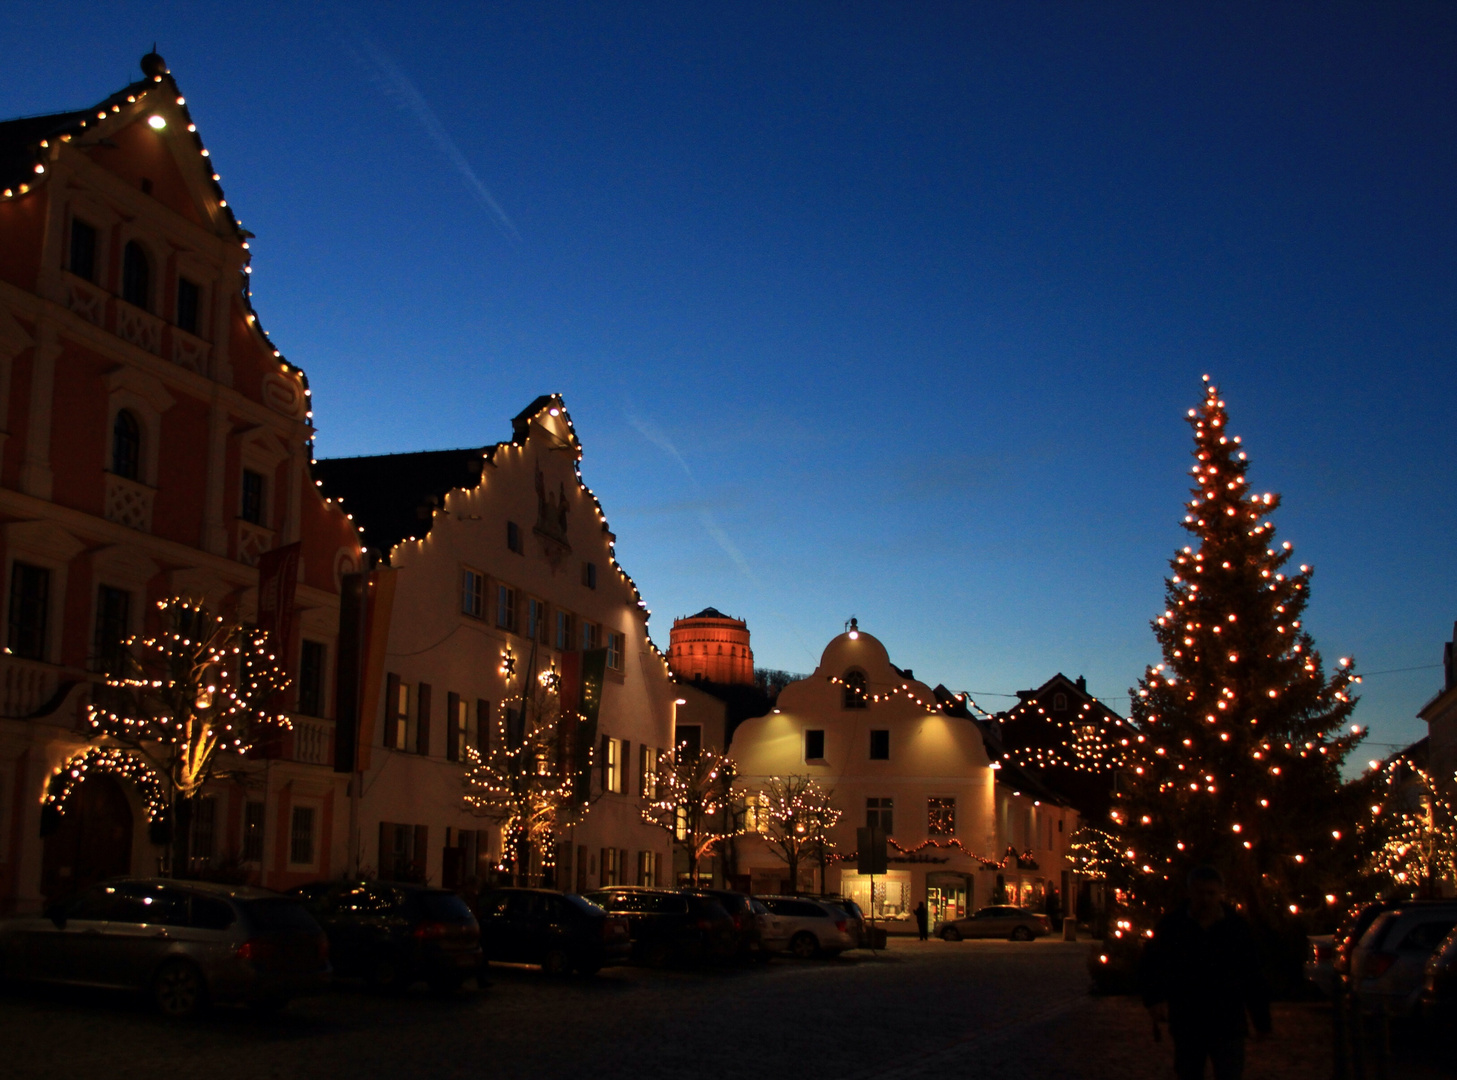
column 527, row 781
column 202, row 687
column 1237, row 738
column 796, row 815
column 1413, row 832
column 690, row 799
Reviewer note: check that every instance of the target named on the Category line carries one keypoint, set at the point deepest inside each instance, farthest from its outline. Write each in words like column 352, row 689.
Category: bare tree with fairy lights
column 1412, row 838
column 1237, row 739
column 529, row 781
column 202, row 687
column 796, row 816
column 690, row 798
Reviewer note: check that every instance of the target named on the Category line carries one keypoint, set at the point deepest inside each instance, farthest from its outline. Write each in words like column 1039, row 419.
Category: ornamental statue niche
column 551, row 521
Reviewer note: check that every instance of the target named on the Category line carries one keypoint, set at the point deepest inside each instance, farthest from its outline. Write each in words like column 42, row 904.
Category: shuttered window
column 483, row 727
column 422, row 723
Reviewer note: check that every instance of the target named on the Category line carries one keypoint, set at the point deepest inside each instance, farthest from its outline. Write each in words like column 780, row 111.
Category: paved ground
column 937, row 1009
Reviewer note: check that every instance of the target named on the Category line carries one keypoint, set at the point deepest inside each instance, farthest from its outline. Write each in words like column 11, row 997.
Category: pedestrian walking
column 921, row 921
column 1201, row 975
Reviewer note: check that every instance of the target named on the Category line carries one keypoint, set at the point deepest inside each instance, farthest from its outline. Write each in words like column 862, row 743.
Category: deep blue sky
column 871, row 309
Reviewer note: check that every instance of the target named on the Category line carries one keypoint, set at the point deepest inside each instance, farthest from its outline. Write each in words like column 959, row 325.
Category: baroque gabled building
column 155, row 443
column 506, row 584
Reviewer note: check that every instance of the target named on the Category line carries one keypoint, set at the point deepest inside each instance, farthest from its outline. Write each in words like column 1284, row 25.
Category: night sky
column 866, row 309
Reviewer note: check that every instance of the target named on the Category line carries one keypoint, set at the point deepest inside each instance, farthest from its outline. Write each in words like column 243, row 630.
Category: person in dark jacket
column 1201, row 975
column 921, row 920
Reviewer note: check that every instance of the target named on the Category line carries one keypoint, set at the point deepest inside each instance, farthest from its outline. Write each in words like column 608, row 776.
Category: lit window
column 940, row 817
column 856, row 694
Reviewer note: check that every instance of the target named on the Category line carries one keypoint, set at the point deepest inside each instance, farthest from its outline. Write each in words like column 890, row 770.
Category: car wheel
column 950, row 933
column 556, row 962
column 1021, row 934
column 387, row 975
column 804, row 945
column 179, row 990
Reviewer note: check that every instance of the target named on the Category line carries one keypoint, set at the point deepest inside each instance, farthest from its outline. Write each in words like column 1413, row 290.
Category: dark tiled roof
column 20, row 143
column 392, row 497
column 712, row 613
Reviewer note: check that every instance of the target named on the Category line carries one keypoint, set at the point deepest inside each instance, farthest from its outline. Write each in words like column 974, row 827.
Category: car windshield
column 280, row 916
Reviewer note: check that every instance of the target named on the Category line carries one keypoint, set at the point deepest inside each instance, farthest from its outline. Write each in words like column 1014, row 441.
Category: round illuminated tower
column 712, row 646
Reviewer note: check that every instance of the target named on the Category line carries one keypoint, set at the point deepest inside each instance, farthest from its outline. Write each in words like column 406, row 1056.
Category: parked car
column 1439, row 987
column 667, row 926
column 1357, row 921
column 394, row 934
column 1320, row 952
column 1019, row 924
column 771, row 938
column 747, row 942
column 186, row 944
column 858, row 925
column 1389, row 963
column 560, row 931
column 810, row 927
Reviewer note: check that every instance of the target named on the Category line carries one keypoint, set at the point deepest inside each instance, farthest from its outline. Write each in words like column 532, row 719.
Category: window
column 253, row 817
column 1059, row 702
column 204, row 828
column 396, row 712
column 483, row 727
column 756, row 813
column 612, row 765
column 113, row 623
column 473, row 594
column 856, row 695
column 880, row 814
column 614, row 651
column 814, row 745
column 589, row 574
column 301, row 836
column 648, row 773
column 880, row 746
column 563, row 636
column 422, row 719
column 647, row 868
column 536, row 625
column 126, row 445
column 457, row 727
column 136, row 276
column 591, row 636
column 689, row 741
column 187, row 297
column 610, row 867
column 311, row 678
column 83, row 249
column 402, row 851
column 252, row 502
column 513, row 538
column 30, row 588
column 506, row 608
column 940, row 817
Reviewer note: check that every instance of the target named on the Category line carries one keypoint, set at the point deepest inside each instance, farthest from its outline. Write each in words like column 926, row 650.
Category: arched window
column 136, row 276
column 126, row 445
column 1059, row 702
column 857, row 695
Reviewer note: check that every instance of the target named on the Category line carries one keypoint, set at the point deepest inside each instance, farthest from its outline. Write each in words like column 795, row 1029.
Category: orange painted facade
column 154, row 443
column 711, row 646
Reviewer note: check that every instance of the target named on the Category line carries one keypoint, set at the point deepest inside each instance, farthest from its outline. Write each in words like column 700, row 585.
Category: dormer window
column 188, row 295
column 857, row 695
column 83, row 250
column 126, row 445
column 1059, row 702
column 136, row 276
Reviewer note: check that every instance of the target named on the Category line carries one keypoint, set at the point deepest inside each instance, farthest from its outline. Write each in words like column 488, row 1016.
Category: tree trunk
column 181, row 837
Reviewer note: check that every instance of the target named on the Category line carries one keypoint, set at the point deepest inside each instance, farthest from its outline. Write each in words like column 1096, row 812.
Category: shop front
column 891, row 903
column 948, row 896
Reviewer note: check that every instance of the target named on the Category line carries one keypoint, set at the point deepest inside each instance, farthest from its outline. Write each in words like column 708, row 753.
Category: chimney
column 1082, row 685
column 1449, row 669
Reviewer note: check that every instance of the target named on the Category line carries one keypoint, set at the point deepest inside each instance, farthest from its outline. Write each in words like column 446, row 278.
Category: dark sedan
column 394, row 934
column 670, row 926
column 560, row 931
column 187, row 944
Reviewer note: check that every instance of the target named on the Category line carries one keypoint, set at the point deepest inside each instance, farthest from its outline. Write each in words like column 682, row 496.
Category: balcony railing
column 311, row 740
column 27, row 687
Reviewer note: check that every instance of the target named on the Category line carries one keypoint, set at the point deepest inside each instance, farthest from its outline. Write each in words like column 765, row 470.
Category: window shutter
column 624, row 782
column 421, row 852
column 391, row 708
column 483, row 726
column 422, row 730
column 622, row 865
column 602, row 872
column 453, row 734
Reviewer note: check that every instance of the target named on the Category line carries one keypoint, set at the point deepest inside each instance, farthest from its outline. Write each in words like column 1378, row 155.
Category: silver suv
column 808, row 927
column 186, row 944
column 1389, row 961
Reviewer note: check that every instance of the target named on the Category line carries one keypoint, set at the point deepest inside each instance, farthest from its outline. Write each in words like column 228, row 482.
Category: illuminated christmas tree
column 203, row 686
column 689, row 798
column 795, row 816
column 1412, row 836
column 1238, row 737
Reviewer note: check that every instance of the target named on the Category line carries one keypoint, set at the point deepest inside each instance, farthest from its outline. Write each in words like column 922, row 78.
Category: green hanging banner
column 581, row 701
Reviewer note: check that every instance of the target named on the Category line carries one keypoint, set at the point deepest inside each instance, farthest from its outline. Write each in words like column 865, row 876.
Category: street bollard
column 1069, row 929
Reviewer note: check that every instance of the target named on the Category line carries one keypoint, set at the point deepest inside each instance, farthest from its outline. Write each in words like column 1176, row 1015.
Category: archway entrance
column 93, row 840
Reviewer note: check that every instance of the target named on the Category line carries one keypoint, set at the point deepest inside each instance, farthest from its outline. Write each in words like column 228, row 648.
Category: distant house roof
column 392, row 497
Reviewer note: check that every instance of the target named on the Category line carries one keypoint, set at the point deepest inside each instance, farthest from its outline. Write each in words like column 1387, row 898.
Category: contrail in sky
column 401, row 87
column 709, row 522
